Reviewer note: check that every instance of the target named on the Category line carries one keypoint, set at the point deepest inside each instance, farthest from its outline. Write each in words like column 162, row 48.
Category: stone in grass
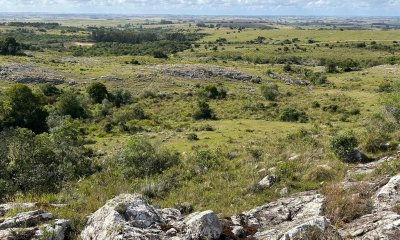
column 268, row 181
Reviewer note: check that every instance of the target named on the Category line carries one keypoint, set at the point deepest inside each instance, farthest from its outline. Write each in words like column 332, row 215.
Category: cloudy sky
column 209, row 7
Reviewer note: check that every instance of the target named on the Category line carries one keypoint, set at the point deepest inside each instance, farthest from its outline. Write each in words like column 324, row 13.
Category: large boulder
column 131, row 217
column 202, row 225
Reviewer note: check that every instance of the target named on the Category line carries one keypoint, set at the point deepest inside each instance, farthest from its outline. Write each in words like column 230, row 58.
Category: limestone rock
column 33, row 225
column 203, row 225
column 268, row 181
column 285, row 217
column 131, row 217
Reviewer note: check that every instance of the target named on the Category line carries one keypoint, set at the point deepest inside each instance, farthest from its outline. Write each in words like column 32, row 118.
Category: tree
column 9, row 46
column 97, row 92
column 69, row 104
column 49, row 90
column 270, row 91
column 21, row 108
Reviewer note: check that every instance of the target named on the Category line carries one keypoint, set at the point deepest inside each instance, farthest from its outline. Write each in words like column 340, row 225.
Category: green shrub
column 343, row 145
column 140, row 159
column 69, row 104
column 293, row 115
column 121, row 97
column 203, row 111
column 204, row 160
column 192, row 137
column 49, row 90
column 270, row 91
column 391, row 105
column 97, row 92
column 212, row 92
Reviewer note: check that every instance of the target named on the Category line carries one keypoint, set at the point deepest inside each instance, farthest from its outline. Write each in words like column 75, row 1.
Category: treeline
column 34, row 24
column 159, row 49
column 138, row 37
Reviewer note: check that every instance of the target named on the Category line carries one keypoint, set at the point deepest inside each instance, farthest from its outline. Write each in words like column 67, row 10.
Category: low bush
column 270, row 91
column 203, row 111
column 212, row 92
column 140, row 159
column 343, row 145
column 293, row 115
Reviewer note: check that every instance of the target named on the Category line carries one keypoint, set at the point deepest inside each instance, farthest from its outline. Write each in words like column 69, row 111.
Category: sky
column 209, row 7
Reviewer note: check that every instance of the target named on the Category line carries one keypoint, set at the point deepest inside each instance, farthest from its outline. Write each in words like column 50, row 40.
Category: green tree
column 97, row 92
column 20, row 107
column 9, row 46
column 69, row 104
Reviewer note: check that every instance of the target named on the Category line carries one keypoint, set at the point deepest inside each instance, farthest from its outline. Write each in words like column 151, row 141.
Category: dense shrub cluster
column 42, row 163
column 140, row 159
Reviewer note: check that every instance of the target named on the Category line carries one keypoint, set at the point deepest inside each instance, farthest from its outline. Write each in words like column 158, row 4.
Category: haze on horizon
column 209, row 7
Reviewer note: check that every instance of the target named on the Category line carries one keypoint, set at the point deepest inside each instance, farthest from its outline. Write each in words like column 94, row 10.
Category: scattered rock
column 382, row 225
column 268, row 181
column 294, row 157
column 288, row 80
column 239, row 231
column 284, row 191
column 33, row 225
column 23, row 79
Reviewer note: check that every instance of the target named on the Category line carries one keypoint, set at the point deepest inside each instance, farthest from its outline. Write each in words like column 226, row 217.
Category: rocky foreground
column 300, row 216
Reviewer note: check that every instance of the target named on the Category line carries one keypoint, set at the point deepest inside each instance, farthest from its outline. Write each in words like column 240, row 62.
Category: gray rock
column 320, row 223
column 239, row 231
column 268, row 181
column 284, row 191
column 388, row 196
column 277, row 219
column 382, row 225
column 203, row 225
column 33, row 225
column 131, row 217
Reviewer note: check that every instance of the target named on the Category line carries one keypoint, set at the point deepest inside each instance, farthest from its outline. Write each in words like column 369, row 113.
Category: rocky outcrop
column 286, row 218
column 203, row 72
column 288, row 80
column 35, row 224
column 131, row 217
column 384, row 221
